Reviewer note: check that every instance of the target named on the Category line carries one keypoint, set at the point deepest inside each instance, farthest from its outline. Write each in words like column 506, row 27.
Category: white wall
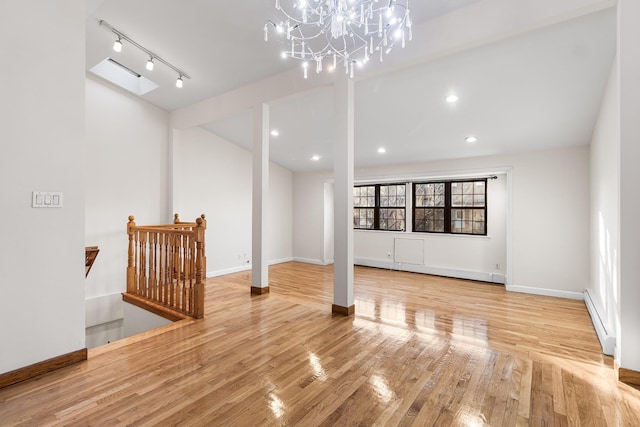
column 127, row 163
column 604, row 287
column 628, row 343
column 550, row 230
column 138, row 320
column 308, row 218
column 470, row 257
column 42, row 111
column 213, row 176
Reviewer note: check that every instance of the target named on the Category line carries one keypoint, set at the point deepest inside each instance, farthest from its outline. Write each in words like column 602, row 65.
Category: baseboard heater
column 607, row 341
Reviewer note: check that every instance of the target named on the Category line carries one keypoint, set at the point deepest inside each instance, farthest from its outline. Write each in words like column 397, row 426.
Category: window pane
column 478, row 227
column 478, row 200
column 401, row 190
column 439, row 189
column 371, row 191
column 467, row 200
column 384, row 201
column 456, row 200
column 478, row 215
column 456, row 188
column 467, row 188
column 480, row 187
column 392, row 219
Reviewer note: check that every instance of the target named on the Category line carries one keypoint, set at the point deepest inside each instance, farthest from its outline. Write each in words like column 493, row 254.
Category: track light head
column 150, row 64
column 179, row 82
column 117, row 45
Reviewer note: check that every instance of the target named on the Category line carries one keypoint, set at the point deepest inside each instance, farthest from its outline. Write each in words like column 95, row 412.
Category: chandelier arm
column 353, row 30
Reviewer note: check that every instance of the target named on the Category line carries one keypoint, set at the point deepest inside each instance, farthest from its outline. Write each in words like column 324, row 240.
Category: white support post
column 260, row 267
column 343, row 300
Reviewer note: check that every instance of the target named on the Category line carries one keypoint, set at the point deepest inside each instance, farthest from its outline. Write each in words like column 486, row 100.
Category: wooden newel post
column 131, row 268
column 200, row 275
column 204, row 254
column 176, row 218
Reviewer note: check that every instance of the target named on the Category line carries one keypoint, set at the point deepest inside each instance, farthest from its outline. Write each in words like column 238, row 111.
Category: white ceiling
column 537, row 90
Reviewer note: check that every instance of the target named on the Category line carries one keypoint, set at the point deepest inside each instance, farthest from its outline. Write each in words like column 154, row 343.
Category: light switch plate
column 46, row 199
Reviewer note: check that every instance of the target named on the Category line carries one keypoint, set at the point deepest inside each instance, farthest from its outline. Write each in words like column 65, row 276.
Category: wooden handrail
column 167, row 265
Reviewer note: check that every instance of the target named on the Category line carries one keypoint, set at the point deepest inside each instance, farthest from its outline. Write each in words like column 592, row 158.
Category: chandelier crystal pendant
column 347, row 32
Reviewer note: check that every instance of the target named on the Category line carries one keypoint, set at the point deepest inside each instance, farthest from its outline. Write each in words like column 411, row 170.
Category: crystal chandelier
column 348, row 32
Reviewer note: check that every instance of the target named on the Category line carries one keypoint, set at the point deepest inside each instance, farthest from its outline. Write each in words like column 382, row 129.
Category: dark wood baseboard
column 154, row 308
column 629, row 376
column 259, row 291
column 43, row 367
column 345, row 311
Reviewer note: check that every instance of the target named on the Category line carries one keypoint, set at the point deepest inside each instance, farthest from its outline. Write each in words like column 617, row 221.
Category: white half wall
column 213, row 176
column 549, row 251
column 127, row 163
column 42, row 111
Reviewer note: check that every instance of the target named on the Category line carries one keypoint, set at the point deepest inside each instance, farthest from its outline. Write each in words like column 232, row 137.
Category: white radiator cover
column 408, row 251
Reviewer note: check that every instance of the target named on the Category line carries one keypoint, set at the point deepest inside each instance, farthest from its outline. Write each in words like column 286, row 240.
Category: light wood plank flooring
column 420, row 350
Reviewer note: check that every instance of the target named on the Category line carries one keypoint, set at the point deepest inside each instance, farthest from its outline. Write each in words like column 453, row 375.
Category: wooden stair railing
column 166, row 267
column 90, row 254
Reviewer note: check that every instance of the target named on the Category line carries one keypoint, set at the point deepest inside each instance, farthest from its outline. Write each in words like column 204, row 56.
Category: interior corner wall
column 127, row 163
column 549, row 246
column 604, row 286
column 42, row 111
column 213, row 176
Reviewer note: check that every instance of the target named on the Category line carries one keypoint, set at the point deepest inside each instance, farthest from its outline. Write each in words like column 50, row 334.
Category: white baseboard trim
column 312, row 261
column 226, row 271
column 280, row 261
column 545, row 292
column 245, row 267
column 436, row 271
column 607, row 341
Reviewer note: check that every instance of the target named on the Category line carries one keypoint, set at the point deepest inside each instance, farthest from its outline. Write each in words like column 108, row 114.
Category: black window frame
column 377, row 208
column 448, row 206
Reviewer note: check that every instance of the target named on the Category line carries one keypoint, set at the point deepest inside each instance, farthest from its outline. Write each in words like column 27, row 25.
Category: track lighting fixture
column 117, row 46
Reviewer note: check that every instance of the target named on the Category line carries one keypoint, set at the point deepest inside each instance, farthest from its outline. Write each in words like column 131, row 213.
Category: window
column 457, row 207
column 379, row 207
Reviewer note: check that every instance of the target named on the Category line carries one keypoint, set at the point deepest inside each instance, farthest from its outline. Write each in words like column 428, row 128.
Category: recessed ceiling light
column 382, row 150
column 315, row 158
column 471, row 139
column 452, row 99
column 274, row 132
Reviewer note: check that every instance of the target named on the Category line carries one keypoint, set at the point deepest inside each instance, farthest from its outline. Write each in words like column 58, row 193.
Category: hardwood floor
column 420, row 350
